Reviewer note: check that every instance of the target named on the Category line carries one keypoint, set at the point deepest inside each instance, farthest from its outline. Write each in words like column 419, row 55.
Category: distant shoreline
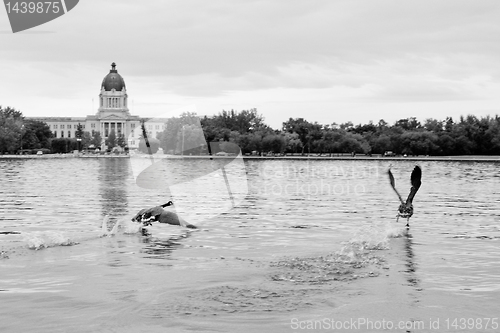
column 462, row 158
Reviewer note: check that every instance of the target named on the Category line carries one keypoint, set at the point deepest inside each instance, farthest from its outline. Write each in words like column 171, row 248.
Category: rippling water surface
column 312, row 240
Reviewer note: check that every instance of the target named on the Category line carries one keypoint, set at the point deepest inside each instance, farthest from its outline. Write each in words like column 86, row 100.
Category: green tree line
column 467, row 135
column 246, row 130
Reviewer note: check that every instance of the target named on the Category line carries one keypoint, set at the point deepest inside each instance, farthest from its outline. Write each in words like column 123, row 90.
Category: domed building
column 112, row 115
column 113, row 80
column 113, row 112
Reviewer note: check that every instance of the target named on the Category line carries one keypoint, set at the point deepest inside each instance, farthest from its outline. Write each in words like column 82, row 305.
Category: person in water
column 158, row 214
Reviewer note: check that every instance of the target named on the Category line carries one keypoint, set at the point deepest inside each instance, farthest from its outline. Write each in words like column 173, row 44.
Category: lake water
column 300, row 245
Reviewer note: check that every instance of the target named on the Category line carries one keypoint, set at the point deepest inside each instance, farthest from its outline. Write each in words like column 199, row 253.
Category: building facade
column 113, row 114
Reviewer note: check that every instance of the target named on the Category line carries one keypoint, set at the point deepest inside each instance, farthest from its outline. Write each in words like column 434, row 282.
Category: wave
column 292, row 283
column 357, row 258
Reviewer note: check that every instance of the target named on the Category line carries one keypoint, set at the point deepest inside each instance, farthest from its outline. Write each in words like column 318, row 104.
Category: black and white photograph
column 249, row 166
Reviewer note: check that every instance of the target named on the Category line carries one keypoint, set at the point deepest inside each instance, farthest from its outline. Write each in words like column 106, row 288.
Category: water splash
column 374, row 237
column 45, row 239
column 104, row 227
column 357, row 258
column 130, row 227
column 124, row 225
column 119, row 224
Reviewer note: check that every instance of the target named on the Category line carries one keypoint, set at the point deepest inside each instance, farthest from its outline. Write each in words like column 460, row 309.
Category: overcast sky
column 325, row 61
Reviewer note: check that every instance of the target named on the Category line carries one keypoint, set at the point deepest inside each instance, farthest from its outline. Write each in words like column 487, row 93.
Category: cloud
column 324, row 54
column 232, row 38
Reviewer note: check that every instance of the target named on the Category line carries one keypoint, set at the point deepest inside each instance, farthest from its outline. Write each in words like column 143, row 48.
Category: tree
column 243, row 122
column 354, row 143
column 229, row 147
column 446, row 144
column 275, row 143
column 209, row 129
column 330, row 142
column 151, row 148
column 10, row 135
column 255, row 142
column 11, row 121
column 244, row 143
column 462, row 133
column 394, row 134
column 493, row 136
column 292, row 142
column 314, row 134
column 419, row 143
column 381, row 144
column 11, row 112
column 63, row 145
column 346, row 126
column 471, row 135
column 36, row 134
column 408, row 124
column 86, row 139
column 29, row 139
column 303, row 128
column 120, row 141
column 79, row 131
column 171, row 137
column 111, row 141
column 382, row 125
column 190, row 140
column 362, row 129
column 448, row 124
column 433, row 125
column 96, row 139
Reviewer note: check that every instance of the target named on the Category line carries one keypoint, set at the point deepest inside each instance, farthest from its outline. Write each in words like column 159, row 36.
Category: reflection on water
column 411, row 265
column 113, row 176
column 161, row 248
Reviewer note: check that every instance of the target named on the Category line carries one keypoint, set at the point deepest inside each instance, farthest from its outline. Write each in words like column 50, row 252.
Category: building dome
column 113, row 80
